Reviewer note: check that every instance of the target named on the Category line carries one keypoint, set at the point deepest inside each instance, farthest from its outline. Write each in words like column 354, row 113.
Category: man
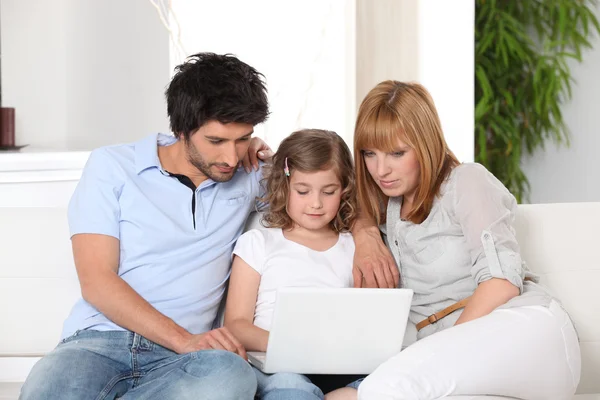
column 153, row 226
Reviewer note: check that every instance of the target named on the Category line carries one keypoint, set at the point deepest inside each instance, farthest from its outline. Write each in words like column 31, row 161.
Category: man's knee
column 226, row 374
column 67, row 373
column 49, row 379
column 39, row 383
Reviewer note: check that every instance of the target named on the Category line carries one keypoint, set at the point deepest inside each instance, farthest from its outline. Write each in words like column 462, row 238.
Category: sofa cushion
column 10, row 391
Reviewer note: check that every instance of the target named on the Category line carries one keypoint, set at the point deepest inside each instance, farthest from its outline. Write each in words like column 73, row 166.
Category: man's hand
column 218, row 339
column 258, row 149
column 374, row 265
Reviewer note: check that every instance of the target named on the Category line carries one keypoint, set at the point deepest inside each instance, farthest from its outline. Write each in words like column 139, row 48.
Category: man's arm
column 374, row 265
column 97, row 262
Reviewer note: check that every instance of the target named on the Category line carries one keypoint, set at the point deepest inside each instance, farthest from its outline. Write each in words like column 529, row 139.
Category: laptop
column 334, row 331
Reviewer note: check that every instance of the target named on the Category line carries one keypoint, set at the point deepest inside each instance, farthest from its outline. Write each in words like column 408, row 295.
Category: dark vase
column 7, row 127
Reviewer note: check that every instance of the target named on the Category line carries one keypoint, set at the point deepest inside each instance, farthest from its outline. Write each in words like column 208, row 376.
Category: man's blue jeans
column 115, row 364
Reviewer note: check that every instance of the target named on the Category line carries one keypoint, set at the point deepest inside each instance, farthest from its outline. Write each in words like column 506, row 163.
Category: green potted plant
column 522, row 78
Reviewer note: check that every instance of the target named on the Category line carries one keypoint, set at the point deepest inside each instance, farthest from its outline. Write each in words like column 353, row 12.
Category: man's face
column 216, row 149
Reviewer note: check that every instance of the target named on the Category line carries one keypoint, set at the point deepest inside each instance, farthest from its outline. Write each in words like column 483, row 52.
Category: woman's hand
column 374, row 265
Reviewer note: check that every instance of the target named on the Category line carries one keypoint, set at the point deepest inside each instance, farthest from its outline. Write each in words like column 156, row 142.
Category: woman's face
column 396, row 173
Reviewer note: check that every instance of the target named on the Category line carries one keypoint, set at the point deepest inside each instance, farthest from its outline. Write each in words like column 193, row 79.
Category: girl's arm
column 241, row 304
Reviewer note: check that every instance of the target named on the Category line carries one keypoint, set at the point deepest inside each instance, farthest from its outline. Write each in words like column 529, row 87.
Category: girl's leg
column 286, row 386
column 346, row 393
column 526, row 352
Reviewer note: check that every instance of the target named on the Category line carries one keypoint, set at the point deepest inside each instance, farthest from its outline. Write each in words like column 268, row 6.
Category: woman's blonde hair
column 391, row 111
column 310, row 150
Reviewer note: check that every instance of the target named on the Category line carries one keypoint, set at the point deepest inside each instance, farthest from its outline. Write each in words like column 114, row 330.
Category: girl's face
column 397, row 173
column 314, row 198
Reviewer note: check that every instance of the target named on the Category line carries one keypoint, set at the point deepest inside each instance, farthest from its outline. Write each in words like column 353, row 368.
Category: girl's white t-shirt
column 285, row 263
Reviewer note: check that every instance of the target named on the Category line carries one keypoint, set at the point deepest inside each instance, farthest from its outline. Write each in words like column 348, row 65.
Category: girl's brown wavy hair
column 310, row 150
column 395, row 110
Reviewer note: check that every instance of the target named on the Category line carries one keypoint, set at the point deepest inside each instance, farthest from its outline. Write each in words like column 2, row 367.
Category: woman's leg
column 526, row 352
column 286, row 386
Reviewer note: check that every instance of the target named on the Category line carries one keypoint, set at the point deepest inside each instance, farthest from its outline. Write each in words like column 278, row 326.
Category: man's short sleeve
column 94, row 206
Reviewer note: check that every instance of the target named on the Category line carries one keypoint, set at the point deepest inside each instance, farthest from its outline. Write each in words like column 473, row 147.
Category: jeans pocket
column 69, row 338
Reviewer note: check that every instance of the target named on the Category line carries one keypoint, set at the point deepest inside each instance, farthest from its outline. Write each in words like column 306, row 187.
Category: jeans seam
column 165, row 364
column 169, row 372
column 111, row 384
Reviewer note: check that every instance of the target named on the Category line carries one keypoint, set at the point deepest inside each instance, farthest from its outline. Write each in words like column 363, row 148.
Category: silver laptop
column 334, row 331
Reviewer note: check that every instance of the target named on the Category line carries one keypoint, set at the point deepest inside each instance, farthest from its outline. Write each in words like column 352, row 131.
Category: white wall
column 34, row 64
column 386, row 42
column 82, row 74
column 446, row 43
column 118, row 68
column 305, row 49
column 426, row 41
column 320, row 57
column 101, row 78
column 561, row 174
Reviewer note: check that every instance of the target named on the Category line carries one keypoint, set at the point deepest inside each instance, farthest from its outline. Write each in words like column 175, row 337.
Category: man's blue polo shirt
column 179, row 262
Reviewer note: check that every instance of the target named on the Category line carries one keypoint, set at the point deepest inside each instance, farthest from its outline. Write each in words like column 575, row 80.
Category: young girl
column 484, row 327
column 311, row 198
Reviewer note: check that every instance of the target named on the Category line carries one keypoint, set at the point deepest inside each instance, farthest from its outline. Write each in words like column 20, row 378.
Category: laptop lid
column 336, row 331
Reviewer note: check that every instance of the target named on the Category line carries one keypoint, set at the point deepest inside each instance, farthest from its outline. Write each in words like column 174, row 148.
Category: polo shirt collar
column 146, row 151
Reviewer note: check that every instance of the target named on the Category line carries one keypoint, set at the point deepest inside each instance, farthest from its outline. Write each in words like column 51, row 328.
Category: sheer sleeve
column 486, row 210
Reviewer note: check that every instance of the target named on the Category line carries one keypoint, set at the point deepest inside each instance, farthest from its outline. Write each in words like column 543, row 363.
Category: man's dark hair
column 216, row 87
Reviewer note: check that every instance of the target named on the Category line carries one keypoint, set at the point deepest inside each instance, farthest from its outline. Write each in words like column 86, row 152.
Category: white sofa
column 38, row 284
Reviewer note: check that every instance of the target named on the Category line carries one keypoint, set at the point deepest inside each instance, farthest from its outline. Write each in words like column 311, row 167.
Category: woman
column 484, row 326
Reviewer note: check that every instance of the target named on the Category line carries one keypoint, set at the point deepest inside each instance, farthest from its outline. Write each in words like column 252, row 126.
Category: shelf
column 42, row 160
column 41, row 165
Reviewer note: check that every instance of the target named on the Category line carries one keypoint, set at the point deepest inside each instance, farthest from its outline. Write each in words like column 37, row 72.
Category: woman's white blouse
column 467, row 238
